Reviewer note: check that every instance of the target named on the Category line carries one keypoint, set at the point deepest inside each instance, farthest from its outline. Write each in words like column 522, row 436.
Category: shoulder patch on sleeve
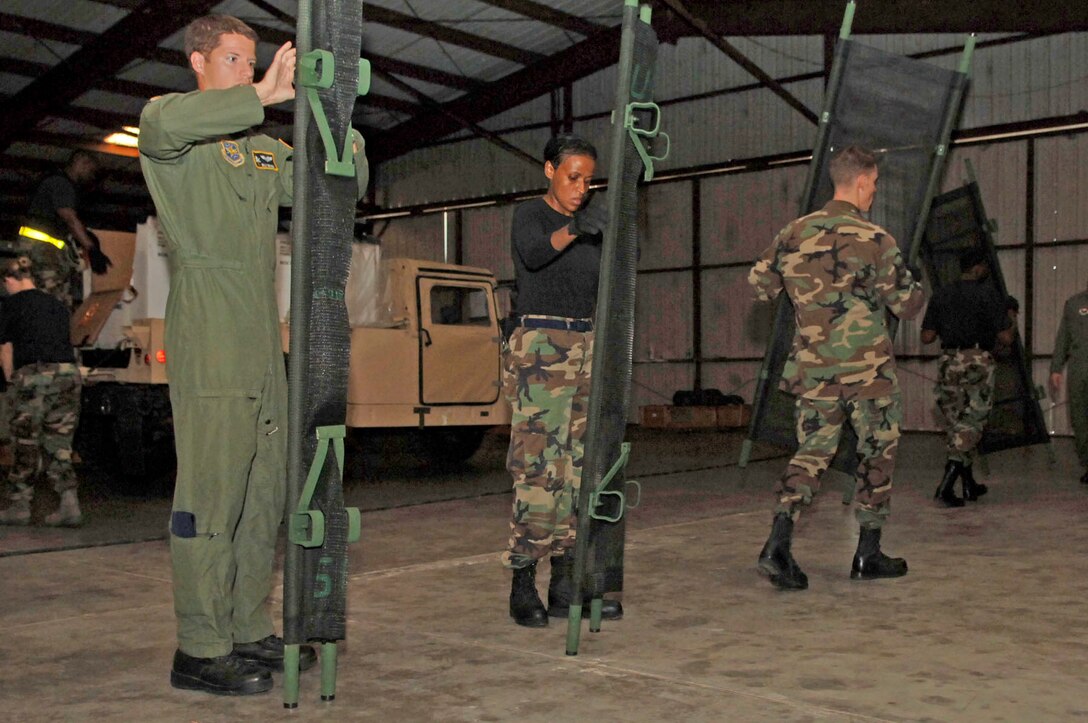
column 265, row 161
column 232, row 152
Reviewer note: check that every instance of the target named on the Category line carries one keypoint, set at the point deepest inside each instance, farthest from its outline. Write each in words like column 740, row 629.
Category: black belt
column 954, row 349
column 581, row 325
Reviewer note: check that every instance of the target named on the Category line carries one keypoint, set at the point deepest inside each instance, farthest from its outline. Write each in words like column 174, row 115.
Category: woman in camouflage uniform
column 37, row 358
column 556, row 246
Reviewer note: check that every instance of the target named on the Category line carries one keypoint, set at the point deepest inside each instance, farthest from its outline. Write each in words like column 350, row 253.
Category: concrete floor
column 988, row 626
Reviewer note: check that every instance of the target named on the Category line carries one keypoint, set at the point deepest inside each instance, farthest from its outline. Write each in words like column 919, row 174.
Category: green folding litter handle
column 316, row 71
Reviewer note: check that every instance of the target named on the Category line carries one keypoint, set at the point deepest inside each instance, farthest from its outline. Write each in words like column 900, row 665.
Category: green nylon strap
column 315, row 72
column 596, row 495
column 306, row 527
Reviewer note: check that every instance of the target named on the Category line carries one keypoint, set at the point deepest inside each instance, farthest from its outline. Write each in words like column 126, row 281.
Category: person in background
column 971, row 322
column 1071, row 354
column 37, row 357
column 54, row 233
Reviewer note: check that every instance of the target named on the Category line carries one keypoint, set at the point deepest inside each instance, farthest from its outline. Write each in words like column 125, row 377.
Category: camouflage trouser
column 52, row 270
column 45, row 409
column 965, row 395
column 546, row 379
column 819, row 426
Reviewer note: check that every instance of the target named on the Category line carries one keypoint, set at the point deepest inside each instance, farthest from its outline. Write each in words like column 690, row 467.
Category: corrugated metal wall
column 1036, row 190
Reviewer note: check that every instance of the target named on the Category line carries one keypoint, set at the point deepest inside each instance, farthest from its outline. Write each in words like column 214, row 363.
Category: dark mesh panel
column 957, row 221
column 614, row 340
column 898, row 107
column 328, row 235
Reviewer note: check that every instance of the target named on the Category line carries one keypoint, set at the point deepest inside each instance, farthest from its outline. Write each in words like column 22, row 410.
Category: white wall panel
column 1061, row 188
column 916, row 381
column 732, row 378
column 414, row 237
column 1060, row 272
column 1001, row 170
column 485, row 238
column 663, row 310
column 742, row 213
column 665, row 239
column 735, row 325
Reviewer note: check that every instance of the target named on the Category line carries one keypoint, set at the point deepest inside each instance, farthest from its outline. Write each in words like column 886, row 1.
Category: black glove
column 588, row 221
column 100, row 263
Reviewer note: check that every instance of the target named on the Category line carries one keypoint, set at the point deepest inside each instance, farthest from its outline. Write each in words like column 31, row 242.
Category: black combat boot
column 775, row 560
column 224, row 675
column 525, row 605
column 561, row 592
column 870, row 563
column 971, row 490
column 946, row 491
column 268, row 653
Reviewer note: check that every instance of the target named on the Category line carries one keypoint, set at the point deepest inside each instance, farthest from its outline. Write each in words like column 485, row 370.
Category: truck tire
column 451, row 445
column 126, row 431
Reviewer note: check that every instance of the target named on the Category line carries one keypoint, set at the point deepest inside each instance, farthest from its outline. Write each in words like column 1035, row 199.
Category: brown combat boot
column 18, row 512
column 67, row 513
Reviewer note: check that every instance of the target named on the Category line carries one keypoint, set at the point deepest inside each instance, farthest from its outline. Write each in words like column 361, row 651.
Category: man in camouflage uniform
column 970, row 320
column 841, row 273
column 1071, row 348
column 37, row 357
column 54, row 233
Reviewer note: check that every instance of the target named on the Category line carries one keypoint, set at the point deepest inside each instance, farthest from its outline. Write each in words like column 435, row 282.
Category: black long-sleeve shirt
column 550, row 282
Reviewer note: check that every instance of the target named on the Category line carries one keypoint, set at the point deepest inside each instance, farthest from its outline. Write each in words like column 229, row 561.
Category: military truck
column 425, row 352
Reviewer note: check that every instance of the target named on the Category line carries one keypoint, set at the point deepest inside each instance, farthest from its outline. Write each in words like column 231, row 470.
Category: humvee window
column 459, row 305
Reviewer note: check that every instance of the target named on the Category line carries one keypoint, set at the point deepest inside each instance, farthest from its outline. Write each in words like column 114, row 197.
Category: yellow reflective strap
column 36, row 235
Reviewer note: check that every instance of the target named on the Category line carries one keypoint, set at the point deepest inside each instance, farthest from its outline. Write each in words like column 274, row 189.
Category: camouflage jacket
column 841, row 273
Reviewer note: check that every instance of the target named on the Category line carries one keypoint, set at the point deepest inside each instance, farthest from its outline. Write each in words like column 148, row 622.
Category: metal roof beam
column 144, row 28
column 817, row 17
column 443, row 34
column 545, row 14
column 579, row 60
column 700, row 25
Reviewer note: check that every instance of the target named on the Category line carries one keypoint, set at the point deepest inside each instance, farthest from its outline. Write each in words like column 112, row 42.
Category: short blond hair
column 202, row 35
column 851, row 162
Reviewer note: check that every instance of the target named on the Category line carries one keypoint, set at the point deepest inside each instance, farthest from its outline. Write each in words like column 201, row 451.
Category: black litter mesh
column 893, row 105
column 957, row 221
column 614, row 341
column 328, row 234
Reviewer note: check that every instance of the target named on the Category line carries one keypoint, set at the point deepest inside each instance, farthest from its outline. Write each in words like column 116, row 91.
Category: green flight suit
column 1071, row 349
column 217, row 190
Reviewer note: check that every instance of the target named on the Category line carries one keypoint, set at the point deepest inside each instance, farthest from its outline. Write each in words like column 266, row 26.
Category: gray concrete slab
column 988, row 625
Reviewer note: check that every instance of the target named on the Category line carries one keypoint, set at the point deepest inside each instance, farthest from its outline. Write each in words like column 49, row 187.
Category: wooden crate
column 666, row 416
column 732, row 416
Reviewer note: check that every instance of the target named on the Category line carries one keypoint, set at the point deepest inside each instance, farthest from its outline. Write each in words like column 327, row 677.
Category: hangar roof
column 74, row 71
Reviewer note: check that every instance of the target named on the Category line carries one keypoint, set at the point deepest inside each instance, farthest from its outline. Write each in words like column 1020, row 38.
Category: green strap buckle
column 316, row 71
column 600, row 492
column 630, row 122
column 306, row 527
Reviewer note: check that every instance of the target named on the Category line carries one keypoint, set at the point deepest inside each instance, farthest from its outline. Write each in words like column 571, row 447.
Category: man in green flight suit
column 217, row 187
column 1071, row 349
